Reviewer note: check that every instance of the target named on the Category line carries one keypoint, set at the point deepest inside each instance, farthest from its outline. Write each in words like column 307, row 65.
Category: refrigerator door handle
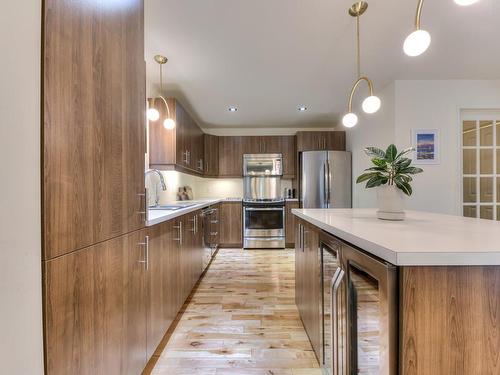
column 329, row 180
column 325, row 183
column 336, row 280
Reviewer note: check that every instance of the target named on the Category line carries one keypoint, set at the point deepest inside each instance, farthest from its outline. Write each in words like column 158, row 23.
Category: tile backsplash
column 202, row 187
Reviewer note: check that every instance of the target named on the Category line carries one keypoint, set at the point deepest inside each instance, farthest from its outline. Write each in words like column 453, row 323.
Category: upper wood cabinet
column 181, row 148
column 95, row 310
column 93, row 123
column 211, row 155
column 322, row 140
column 231, row 156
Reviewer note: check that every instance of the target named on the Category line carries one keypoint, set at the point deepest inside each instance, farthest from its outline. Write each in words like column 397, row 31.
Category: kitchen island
column 420, row 296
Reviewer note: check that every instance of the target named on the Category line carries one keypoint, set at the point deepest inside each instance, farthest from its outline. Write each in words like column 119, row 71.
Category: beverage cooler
column 359, row 311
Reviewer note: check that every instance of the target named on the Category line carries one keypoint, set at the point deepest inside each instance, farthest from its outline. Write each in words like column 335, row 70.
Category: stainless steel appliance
column 359, row 311
column 325, row 179
column 262, row 165
column 263, row 205
column 264, row 225
column 210, row 228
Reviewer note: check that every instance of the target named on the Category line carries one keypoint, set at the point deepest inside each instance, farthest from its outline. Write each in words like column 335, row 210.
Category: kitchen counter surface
column 423, row 239
column 159, row 216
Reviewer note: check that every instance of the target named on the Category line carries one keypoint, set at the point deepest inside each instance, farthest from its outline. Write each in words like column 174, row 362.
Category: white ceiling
column 267, row 57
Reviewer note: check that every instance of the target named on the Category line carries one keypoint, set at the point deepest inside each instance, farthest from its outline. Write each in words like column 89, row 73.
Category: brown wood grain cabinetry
column 95, row 310
column 211, row 155
column 321, row 140
column 308, row 281
column 450, row 320
column 290, row 223
column 230, row 156
column 181, row 148
column 93, row 123
column 231, row 228
column 289, row 152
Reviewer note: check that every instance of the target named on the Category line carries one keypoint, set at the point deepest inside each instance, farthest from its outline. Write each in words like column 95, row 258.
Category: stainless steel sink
column 172, row 207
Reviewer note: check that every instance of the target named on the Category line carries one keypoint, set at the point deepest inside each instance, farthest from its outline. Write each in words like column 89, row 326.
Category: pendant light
column 372, row 103
column 418, row 41
column 153, row 113
column 465, row 2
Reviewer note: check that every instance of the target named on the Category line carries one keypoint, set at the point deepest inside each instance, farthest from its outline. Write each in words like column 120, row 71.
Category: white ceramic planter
column 391, row 203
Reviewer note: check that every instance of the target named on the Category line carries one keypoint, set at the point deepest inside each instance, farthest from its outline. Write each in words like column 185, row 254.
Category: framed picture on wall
column 426, row 144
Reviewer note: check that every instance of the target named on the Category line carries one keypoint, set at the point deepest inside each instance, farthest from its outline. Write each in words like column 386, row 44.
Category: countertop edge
column 184, row 211
column 407, row 259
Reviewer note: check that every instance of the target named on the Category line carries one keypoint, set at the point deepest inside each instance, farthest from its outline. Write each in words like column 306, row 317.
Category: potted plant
column 391, row 174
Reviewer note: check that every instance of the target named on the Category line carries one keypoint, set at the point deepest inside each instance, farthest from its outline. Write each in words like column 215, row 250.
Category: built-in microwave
column 262, row 165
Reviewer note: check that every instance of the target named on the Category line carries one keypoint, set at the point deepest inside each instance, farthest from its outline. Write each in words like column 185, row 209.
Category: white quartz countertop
column 159, row 216
column 422, row 239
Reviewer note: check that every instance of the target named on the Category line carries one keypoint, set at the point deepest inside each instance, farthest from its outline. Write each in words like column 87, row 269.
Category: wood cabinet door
column 252, row 145
column 211, row 155
column 163, row 289
column 95, row 309
column 162, row 142
column 290, row 223
column 272, row 144
column 313, row 287
column 335, row 140
column 231, row 224
column 289, row 156
column 196, row 147
column 230, row 156
column 308, row 141
column 93, row 123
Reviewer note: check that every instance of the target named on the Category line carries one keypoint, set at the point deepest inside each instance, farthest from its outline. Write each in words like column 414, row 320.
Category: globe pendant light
column 418, row 41
column 372, row 103
column 465, row 2
column 153, row 113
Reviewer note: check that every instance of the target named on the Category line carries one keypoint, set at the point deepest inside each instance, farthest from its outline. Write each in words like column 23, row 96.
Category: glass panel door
column 365, row 322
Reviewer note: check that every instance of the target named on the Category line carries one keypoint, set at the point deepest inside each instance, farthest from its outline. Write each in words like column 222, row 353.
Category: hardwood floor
column 241, row 320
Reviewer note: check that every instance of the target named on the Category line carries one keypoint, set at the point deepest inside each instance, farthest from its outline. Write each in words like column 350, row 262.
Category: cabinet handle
column 334, row 323
column 200, row 164
column 214, row 233
column 206, row 165
column 146, row 252
column 179, row 227
column 195, row 224
column 214, row 221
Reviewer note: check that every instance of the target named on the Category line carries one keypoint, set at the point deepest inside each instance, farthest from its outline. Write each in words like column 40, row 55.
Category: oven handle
column 264, row 209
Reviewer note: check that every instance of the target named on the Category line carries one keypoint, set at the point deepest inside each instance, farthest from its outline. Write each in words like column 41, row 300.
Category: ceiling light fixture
column 302, row 108
column 418, row 41
column 153, row 113
column 232, row 109
column 465, row 3
column 371, row 104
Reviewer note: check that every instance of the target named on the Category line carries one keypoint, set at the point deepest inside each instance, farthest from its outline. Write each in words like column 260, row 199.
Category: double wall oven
column 359, row 311
column 263, row 205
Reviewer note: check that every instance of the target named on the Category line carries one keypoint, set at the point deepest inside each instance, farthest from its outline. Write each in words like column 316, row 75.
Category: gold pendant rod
column 355, row 86
column 419, row 13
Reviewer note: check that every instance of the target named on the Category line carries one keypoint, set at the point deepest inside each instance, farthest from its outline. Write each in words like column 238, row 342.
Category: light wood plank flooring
column 241, row 320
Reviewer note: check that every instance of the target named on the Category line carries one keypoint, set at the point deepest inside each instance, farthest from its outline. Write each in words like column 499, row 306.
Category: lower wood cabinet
column 231, row 228
column 290, row 223
column 108, row 306
column 95, row 310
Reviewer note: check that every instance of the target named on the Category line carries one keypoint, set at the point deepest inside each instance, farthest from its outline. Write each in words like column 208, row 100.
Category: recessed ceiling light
column 232, row 109
column 302, row 108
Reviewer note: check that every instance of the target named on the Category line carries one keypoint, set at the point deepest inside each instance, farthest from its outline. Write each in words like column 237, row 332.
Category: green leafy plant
column 390, row 168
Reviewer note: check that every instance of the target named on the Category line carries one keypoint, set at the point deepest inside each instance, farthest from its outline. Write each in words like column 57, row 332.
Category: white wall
column 20, row 224
column 424, row 104
column 372, row 130
column 436, row 104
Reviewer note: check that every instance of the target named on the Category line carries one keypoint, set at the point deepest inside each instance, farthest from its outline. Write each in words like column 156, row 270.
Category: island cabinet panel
column 211, row 155
column 322, row 140
column 231, row 228
column 181, row 148
column 93, row 123
column 308, row 281
column 290, row 223
column 450, row 320
column 95, row 309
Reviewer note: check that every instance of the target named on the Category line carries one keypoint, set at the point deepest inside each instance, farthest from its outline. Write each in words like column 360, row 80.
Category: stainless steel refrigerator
column 325, row 179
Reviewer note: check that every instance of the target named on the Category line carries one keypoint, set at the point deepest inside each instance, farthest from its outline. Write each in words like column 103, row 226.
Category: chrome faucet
column 162, row 182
